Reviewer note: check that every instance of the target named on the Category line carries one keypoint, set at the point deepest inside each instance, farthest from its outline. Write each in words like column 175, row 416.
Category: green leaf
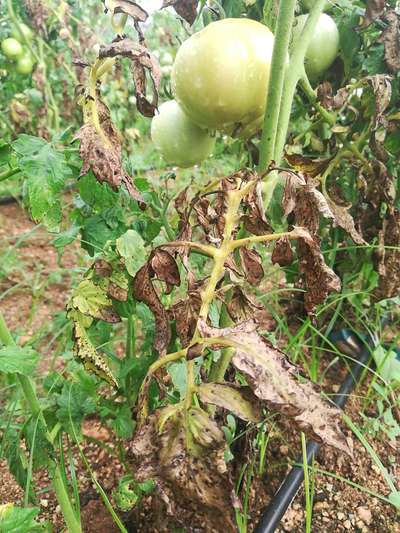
column 350, row 41
column 17, row 520
column 89, row 298
column 17, row 360
column 74, row 404
column 46, row 171
column 123, row 423
column 36, row 440
column 131, row 247
column 232, row 398
column 394, row 497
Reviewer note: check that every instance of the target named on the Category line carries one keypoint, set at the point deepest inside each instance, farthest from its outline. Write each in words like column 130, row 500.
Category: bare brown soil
column 38, row 286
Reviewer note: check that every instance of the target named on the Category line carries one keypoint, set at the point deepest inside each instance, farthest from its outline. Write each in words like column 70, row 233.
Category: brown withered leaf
column 254, row 219
column 242, row 305
column 282, row 253
column 275, row 380
column 375, row 9
column 185, row 313
column 252, row 265
column 142, row 61
column 328, row 101
column 128, row 7
column 389, row 258
column 390, row 39
column 239, row 400
column 195, row 485
column 144, row 291
column 306, row 165
column 102, row 268
column 344, row 219
column 320, row 280
column 165, row 268
column 117, row 292
column 382, row 87
column 187, row 9
column 101, row 152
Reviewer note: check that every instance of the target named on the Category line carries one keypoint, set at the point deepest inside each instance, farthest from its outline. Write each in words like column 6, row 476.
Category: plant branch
column 8, row 173
column 294, row 234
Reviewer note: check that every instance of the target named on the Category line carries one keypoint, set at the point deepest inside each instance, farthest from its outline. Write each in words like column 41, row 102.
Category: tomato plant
column 194, row 291
column 12, row 48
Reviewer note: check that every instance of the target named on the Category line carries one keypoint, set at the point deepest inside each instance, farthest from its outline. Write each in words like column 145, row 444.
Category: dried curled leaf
column 127, row 7
column 195, row 487
column 344, row 219
column 382, row 87
column 389, row 258
column 251, row 262
column 142, row 61
column 101, row 152
column 390, row 39
column 282, row 253
column 308, row 166
column 276, row 381
column 187, row 9
column 232, row 398
column 165, row 268
column 144, row 291
column 185, row 313
column 375, row 9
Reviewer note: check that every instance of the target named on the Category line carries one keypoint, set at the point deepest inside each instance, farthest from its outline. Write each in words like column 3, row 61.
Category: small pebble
column 44, row 503
column 365, row 515
column 347, row 524
column 341, row 516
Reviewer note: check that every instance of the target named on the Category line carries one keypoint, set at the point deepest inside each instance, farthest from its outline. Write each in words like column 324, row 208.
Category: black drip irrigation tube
column 359, row 349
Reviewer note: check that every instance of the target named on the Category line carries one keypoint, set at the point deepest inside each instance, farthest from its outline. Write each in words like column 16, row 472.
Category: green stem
column 8, row 173
column 218, row 369
column 275, row 86
column 293, row 72
column 130, row 354
column 36, row 411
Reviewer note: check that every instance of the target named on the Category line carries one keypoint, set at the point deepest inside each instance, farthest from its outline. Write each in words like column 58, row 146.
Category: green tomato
column 24, row 65
column 323, row 47
column 180, row 141
column 220, row 75
column 12, row 48
column 26, row 32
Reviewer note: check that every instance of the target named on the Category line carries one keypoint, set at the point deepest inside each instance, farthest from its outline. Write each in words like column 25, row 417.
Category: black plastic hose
column 273, row 514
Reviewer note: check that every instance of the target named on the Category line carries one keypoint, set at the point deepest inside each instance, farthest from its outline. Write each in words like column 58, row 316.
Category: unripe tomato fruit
column 180, row 141
column 323, row 47
column 26, row 32
column 220, row 75
column 12, row 48
column 24, row 65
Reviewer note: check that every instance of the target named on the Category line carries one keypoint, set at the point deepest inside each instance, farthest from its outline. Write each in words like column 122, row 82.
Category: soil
column 37, row 286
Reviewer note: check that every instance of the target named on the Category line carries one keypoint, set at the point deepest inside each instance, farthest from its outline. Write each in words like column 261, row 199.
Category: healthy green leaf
column 46, row 171
column 18, row 360
column 131, row 247
column 17, row 520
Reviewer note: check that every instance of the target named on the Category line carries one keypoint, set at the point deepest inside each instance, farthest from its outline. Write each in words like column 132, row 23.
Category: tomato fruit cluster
column 220, row 79
column 14, row 50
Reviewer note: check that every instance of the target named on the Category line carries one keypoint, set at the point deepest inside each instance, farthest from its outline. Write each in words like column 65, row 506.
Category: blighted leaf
column 232, row 398
column 282, row 253
column 185, row 481
column 344, row 219
column 186, row 312
column 382, row 87
column 91, row 299
column 142, row 62
column 390, row 39
column 319, row 278
column 375, row 9
column 276, row 381
column 389, row 258
column 165, row 268
column 144, row 291
column 308, row 166
column 187, row 9
column 254, row 219
column 100, row 150
column 128, row 7
column 92, row 360
column 251, row 262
